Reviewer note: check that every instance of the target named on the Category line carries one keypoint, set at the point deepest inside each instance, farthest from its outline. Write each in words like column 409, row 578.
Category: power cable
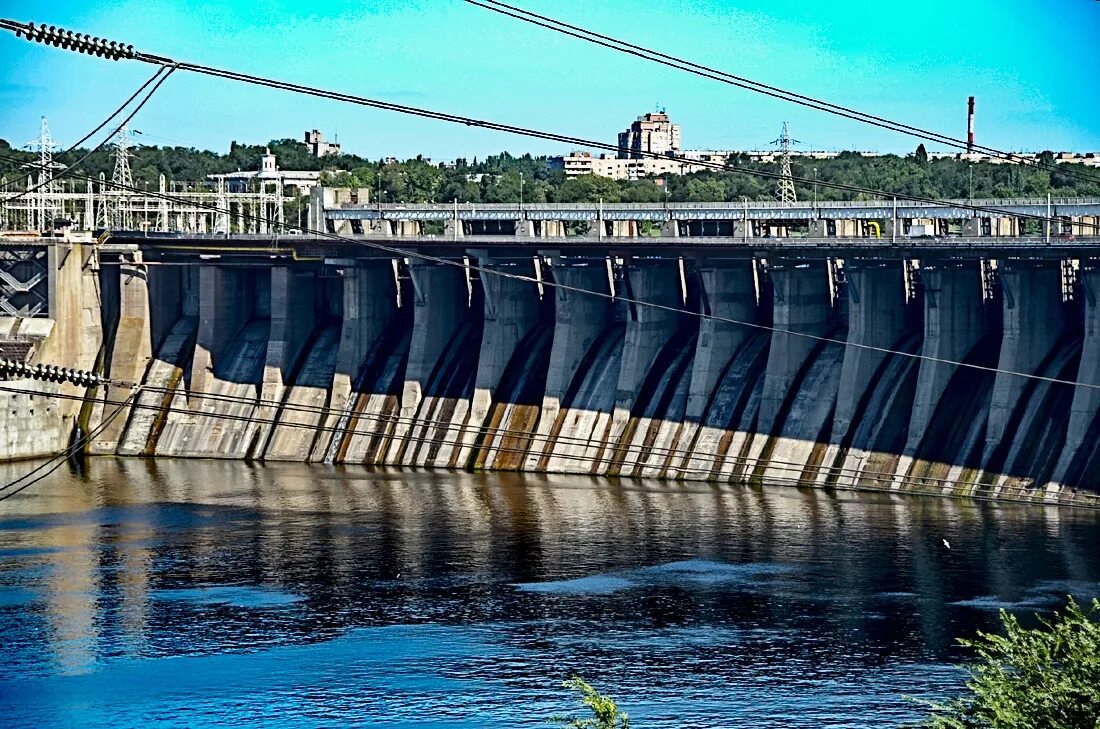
column 13, row 488
column 102, row 124
column 648, row 54
column 404, row 253
column 66, row 39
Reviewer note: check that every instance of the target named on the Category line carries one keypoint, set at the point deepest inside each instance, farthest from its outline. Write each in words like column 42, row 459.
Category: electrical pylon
column 121, row 180
column 784, row 189
column 44, row 204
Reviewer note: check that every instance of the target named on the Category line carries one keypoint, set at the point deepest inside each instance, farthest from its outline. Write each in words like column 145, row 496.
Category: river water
column 217, row 593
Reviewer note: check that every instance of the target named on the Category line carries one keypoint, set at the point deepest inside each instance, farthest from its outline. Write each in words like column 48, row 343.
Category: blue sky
column 1033, row 66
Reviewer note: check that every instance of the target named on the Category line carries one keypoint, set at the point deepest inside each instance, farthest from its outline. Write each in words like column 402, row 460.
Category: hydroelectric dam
column 878, row 345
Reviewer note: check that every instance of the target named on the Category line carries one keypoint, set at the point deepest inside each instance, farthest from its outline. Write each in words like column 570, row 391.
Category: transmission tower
column 121, row 179
column 784, row 190
column 44, row 205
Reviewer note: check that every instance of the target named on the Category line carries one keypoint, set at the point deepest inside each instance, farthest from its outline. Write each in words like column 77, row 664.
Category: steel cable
column 648, row 54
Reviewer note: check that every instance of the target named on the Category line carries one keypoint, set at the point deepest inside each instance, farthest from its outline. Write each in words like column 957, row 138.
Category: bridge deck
column 369, row 246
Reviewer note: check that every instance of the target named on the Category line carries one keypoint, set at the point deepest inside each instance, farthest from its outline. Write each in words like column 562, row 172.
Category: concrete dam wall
column 418, row 364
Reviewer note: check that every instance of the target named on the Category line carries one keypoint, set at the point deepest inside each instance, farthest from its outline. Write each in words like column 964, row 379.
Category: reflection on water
column 193, row 593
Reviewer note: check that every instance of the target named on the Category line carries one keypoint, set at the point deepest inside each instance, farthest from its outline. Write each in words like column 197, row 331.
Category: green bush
column 1040, row 678
column 605, row 714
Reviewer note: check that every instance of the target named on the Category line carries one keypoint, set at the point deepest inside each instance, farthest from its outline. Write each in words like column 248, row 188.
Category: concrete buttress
column 369, row 304
column 876, row 318
column 648, row 331
column 132, row 348
column 1086, row 396
column 293, row 320
column 954, row 321
column 801, row 306
column 1033, row 323
column 727, row 291
column 441, row 304
column 511, row 310
column 579, row 319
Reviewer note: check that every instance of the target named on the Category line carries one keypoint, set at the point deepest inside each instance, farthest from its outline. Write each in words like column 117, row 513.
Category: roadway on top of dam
column 212, row 247
column 766, row 210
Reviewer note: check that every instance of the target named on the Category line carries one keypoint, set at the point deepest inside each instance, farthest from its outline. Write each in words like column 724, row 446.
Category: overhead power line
column 407, row 253
column 615, row 44
column 159, row 77
column 35, row 33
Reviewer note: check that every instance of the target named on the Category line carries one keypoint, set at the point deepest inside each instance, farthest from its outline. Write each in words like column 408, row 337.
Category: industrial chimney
column 970, row 127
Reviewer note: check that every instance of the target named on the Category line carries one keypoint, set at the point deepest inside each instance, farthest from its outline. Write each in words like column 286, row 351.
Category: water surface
column 217, row 593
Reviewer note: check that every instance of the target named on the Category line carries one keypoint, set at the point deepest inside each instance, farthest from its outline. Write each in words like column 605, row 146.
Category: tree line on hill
column 505, row 177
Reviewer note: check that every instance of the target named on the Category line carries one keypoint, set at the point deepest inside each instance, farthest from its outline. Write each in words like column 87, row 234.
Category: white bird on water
column 947, row 544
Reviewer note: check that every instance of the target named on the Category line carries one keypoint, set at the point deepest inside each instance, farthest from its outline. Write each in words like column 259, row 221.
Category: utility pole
column 784, row 191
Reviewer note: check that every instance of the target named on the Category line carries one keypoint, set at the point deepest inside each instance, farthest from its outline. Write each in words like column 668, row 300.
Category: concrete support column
column 1086, row 397
column 972, row 227
column 407, row 227
column 453, row 229
column 578, row 320
column 1033, row 322
column 728, row 290
column 624, row 228
column 293, row 317
column 876, row 318
column 378, row 227
column 953, row 324
column 132, row 348
column 525, row 228
column 370, row 301
column 552, row 229
column 648, row 330
column 225, row 305
column 802, row 305
column 511, row 311
column 440, row 305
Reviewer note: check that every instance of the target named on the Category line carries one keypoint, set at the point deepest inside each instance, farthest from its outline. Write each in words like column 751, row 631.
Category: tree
column 921, row 154
column 1040, row 678
column 605, row 714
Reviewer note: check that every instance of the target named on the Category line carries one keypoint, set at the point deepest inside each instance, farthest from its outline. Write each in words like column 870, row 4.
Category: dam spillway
column 826, row 363
column 389, row 362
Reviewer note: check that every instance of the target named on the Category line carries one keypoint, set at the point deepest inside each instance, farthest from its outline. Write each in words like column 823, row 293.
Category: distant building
column 292, row 181
column 650, row 134
column 318, row 147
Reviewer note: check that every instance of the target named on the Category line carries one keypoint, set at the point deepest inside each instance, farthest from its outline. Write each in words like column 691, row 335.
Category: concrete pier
column 1086, row 396
column 511, row 310
column 1033, row 323
column 802, row 306
column 369, row 304
column 441, row 304
column 294, row 317
column 578, row 320
column 648, row 331
column 954, row 321
column 876, row 321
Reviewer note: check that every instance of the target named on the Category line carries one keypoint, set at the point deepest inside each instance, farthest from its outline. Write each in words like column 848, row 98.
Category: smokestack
column 970, row 127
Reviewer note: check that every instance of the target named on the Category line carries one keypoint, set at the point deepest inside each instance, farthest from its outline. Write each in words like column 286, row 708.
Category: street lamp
column 521, row 191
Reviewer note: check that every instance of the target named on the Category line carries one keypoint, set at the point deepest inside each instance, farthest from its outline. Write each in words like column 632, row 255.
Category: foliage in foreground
column 1041, row 678
column 605, row 714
